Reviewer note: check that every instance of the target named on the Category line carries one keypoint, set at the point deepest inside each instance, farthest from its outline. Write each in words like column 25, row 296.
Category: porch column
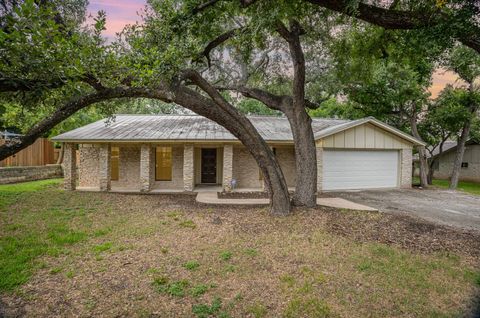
column 104, row 173
column 147, row 159
column 227, row 168
column 406, row 168
column 188, row 171
column 69, row 167
column 319, row 169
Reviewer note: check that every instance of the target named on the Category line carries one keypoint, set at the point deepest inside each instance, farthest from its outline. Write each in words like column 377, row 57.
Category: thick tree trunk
column 422, row 154
column 305, row 158
column 300, row 121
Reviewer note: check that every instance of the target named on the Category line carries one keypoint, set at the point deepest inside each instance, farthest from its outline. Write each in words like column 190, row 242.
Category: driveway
column 441, row 206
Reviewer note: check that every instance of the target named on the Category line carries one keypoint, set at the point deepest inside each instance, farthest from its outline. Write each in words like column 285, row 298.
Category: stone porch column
column 147, row 161
column 69, row 167
column 227, row 168
column 319, row 169
column 104, row 173
column 188, row 171
column 406, row 168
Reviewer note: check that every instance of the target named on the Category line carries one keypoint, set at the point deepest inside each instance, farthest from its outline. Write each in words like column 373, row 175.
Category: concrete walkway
column 339, row 203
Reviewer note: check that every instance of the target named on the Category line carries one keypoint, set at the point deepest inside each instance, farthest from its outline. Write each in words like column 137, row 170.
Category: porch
column 168, row 168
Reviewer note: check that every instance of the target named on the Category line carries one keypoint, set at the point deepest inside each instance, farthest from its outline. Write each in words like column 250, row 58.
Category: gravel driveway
column 442, row 206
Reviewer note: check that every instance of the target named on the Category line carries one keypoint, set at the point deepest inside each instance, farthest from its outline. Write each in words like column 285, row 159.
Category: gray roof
column 183, row 127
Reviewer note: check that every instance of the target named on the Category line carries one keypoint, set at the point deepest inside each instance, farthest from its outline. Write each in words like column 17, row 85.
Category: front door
column 209, row 165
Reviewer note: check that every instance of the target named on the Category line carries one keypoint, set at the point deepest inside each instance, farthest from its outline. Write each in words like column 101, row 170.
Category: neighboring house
column 181, row 152
column 470, row 170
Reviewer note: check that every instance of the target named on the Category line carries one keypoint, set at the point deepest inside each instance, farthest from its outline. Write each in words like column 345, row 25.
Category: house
column 181, row 152
column 470, row 170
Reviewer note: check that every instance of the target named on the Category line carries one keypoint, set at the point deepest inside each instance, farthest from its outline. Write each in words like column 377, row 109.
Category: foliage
column 332, row 108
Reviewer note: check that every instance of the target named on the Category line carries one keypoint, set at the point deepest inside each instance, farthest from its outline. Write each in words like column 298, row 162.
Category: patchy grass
column 96, row 254
column 465, row 186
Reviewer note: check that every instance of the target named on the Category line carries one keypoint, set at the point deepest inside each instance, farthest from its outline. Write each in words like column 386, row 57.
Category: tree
column 271, row 53
column 85, row 71
column 443, row 119
column 466, row 63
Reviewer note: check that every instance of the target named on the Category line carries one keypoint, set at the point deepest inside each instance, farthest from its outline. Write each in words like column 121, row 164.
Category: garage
column 360, row 169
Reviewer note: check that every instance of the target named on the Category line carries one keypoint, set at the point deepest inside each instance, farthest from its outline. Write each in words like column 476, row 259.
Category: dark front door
column 209, row 165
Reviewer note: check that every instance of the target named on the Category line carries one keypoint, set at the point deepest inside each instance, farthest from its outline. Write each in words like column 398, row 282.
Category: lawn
column 466, row 186
column 97, row 254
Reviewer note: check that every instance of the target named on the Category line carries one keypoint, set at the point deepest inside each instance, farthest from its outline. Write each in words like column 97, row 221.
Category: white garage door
column 356, row 169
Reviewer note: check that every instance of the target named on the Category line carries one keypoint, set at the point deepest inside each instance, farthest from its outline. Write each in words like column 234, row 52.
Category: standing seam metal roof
column 182, row 127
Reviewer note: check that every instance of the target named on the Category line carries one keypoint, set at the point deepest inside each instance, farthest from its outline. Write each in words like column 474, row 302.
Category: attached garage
column 357, row 169
column 364, row 154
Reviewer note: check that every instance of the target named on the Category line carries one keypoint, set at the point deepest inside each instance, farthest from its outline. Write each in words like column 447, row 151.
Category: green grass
column 35, row 225
column 191, row 265
column 465, row 186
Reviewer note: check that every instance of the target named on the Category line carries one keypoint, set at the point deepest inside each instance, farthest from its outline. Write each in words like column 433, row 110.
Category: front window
column 163, row 164
column 115, row 152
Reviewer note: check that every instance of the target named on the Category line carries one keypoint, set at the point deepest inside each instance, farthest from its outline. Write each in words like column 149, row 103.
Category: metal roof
column 182, row 127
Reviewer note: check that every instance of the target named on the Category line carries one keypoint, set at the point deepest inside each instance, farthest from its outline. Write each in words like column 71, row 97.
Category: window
column 114, row 155
column 464, row 164
column 260, row 174
column 436, row 165
column 163, row 164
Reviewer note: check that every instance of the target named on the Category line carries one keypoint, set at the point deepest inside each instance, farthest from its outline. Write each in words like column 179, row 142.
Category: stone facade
column 88, row 166
column 20, row 174
column 188, row 168
column 406, row 168
column 247, row 172
column 227, row 168
column 128, row 168
column 104, row 163
column 147, row 167
column 69, row 166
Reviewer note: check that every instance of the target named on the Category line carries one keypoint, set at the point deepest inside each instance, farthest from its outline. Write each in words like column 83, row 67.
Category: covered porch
column 167, row 167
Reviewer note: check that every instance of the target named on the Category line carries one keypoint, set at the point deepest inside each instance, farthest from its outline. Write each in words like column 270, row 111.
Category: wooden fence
column 40, row 153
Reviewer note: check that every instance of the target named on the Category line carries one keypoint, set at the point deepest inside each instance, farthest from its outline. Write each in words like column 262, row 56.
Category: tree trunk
column 431, row 171
column 305, row 158
column 457, row 163
column 242, row 128
column 422, row 154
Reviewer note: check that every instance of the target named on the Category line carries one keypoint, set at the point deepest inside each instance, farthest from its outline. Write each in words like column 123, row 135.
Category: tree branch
column 219, row 40
column 399, row 19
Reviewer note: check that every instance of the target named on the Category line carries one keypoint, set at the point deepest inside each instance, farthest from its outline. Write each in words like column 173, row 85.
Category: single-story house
column 181, row 152
column 443, row 166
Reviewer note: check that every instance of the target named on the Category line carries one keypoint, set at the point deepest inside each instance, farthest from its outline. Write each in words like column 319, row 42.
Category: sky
column 122, row 12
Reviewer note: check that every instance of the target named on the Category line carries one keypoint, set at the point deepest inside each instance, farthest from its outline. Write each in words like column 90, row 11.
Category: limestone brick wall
column 20, row 174
column 286, row 159
column 88, row 165
column 129, row 167
column 406, row 168
column 245, row 169
column 147, row 167
column 69, row 167
column 177, row 171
